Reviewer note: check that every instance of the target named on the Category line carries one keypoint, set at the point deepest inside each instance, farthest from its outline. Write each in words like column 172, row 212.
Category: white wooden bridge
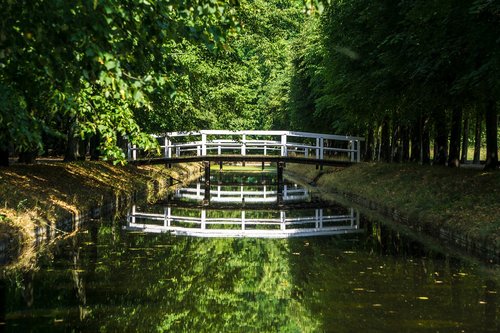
column 201, row 224
column 254, row 145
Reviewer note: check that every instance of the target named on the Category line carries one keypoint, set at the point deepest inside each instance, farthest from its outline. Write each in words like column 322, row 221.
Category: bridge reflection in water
column 243, row 209
column 244, row 194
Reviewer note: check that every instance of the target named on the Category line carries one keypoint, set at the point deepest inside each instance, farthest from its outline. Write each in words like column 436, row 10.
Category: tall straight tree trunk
column 456, row 128
column 94, row 147
column 405, row 140
column 27, row 157
column 441, row 141
column 385, row 149
column 491, row 135
column 71, row 151
column 426, row 142
column 396, row 154
column 4, row 157
column 416, row 140
column 370, row 144
column 465, row 140
column 477, row 137
column 82, row 149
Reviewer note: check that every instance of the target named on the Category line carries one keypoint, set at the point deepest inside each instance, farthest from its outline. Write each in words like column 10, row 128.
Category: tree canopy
column 412, row 66
column 123, row 69
column 84, row 76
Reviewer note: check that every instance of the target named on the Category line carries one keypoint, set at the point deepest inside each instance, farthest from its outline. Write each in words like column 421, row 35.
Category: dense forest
column 418, row 79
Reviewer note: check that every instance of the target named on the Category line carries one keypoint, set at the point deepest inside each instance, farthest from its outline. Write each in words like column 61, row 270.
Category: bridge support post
column 167, row 151
column 280, row 166
column 284, row 150
column 279, row 191
column 203, row 144
column 206, row 198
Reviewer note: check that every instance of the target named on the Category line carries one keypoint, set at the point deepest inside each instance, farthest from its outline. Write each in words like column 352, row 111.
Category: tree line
column 418, row 79
column 407, row 75
column 84, row 77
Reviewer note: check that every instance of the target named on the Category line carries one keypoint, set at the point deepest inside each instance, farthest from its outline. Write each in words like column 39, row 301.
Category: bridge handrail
column 260, row 132
column 246, row 143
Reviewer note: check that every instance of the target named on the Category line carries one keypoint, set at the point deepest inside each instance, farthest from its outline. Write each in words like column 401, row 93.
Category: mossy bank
column 457, row 206
column 37, row 200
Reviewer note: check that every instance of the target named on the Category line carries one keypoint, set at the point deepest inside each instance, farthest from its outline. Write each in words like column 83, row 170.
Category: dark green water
column 108, row 279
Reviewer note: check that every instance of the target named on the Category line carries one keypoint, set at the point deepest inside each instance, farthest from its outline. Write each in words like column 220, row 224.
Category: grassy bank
column 38, row 195
column 463, row 201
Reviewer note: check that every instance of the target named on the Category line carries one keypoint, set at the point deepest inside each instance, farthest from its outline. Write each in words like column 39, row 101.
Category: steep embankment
column 461, row 206
column 36, row 199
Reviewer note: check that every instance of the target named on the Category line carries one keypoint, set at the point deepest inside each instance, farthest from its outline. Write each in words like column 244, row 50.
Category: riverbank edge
column 477, row 247
column 20, row 242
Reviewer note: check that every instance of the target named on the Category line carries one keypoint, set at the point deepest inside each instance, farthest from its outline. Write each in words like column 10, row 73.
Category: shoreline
column 426, row 222
column 73, row 193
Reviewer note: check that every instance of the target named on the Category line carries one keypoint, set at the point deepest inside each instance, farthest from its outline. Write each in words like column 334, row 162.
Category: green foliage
column 92, row 63
column 243, row 86
column 368, row 61
column 17, row 124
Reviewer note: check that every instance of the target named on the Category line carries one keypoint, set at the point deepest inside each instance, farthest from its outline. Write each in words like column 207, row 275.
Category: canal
column 247, row 256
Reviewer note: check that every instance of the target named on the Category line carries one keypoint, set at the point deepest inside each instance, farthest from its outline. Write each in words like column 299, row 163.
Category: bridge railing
column 266, row 143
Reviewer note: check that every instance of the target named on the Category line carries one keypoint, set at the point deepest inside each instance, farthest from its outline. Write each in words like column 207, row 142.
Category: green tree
column 91, row 63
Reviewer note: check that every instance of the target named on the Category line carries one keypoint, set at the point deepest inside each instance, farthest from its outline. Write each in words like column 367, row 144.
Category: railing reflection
column 242, row 193
column 204, row 222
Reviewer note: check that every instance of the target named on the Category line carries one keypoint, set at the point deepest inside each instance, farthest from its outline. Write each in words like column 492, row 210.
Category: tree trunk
column 370, row 143
column 405, row 140
column 426, row 142
column 82, row 149
column 416, row 141
column 385, row 149
column 456, row 127
column 491, row 136
column 477, row 138
column 94, row 147
column 71, row 151
column 465, row 140
column 441, row 147
column 4, row 157
column 396, row 154
column 27, row 157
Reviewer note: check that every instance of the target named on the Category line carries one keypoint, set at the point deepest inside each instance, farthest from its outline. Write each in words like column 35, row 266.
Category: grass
column 463, row 200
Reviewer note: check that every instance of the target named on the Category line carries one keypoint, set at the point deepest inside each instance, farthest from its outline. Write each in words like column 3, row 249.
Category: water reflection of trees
column 109, row 280
column 147, row 283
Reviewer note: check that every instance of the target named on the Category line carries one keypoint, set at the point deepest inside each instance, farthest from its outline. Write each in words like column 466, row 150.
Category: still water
column 129, row 275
